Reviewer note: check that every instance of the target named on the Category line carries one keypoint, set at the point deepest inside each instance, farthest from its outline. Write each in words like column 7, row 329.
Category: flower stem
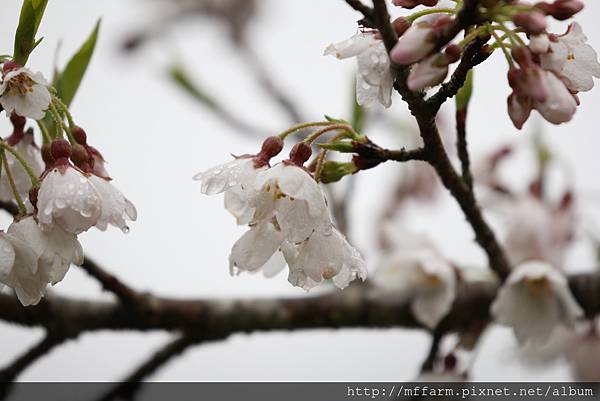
column 65, row 110
column 502, row 46
column 58, row 118
column 298, row 127
column 32, row 176
column 13, row 186
column 472, row 35
column 419, row 14
column 322, row 155
column 349, row 132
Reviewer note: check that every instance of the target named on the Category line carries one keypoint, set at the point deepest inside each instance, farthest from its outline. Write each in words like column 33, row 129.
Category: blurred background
column 156, row 137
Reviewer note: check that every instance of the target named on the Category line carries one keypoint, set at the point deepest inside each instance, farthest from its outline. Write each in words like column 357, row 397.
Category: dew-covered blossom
column 31, row 259
column 22, row 142
column 67, row 197
column 417, row 272
column 534, row 300
column 570, row 57
column 116, row 208
column 23, row 92
column 289, row 223
column 236, row 179
column 374, row 80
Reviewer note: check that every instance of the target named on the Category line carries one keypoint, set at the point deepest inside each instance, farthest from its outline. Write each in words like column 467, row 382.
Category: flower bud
column 519, row 109
column 334, row 171
column 416, row 43
column 532, row 22
column 271, row 147
column 561, row 9
column 300, row 153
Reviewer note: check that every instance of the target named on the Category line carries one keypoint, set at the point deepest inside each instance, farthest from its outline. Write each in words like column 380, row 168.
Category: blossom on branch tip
column 572, row 59
column 23, row 92
column 418, row 41
column 38, row 258
column 374, row 80
column 534, row 300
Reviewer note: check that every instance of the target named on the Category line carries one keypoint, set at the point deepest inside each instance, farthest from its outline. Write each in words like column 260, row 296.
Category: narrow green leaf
column 32, row 12
column 358, row 112
column 342, row 146
column 181, row 78
column 335, row 120
column 464, row 94
column 67, row 82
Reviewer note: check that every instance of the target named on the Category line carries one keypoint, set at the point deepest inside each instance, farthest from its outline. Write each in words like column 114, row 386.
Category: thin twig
column 132, row 383
column 429, row 362
column 109, row 282
column 13, row 370
column 462, row 148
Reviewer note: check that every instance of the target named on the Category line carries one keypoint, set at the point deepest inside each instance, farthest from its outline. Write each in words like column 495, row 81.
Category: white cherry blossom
column 290, row 193
column 31, row 154
column 428, row 72
column 325, row 256
column 415, row 44
column 420, row 275
column 115, row 207
column 68, row 199
column 24, row 92
column 374, row 80
column 254, row 249
column 40, row 258
column 560, row 105
column 572, row 59
column 534, row 300
column 236, row 179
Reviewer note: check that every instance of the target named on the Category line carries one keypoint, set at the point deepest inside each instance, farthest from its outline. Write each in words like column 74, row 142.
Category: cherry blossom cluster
column 62, row 189
column 288, row 217
column 546, row 70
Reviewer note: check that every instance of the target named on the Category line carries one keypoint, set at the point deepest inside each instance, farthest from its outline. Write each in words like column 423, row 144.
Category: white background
column 156, row 138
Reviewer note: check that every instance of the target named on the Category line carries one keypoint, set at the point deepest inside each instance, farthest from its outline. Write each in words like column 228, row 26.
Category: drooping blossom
column 66, row 197
column 534, row 300
column 236, row 179
column 432, row 70
column 23, row 92
column 374, row 80
column 31, row 259
column 418, row 274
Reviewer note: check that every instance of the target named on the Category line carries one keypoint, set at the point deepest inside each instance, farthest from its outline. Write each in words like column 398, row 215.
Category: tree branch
column 12, row 371
column 131, row 384
column 462, row 148
column 109, row 282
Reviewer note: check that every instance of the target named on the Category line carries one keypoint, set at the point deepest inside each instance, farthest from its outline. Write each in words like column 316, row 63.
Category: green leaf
column 336, row 120
column 334, row 171
column 464, row 94
column 181, row 78
column 358, row 113
column 67, row 82
column 32, row 12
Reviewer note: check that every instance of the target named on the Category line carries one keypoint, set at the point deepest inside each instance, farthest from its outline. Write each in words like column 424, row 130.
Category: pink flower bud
column 300, row 153
column 416, row 43
column 561, row 9
column 533, row 22
column 429, row 72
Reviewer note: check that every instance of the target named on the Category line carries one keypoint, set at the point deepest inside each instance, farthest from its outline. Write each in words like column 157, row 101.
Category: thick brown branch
column 353, row 307
column 370, row 154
